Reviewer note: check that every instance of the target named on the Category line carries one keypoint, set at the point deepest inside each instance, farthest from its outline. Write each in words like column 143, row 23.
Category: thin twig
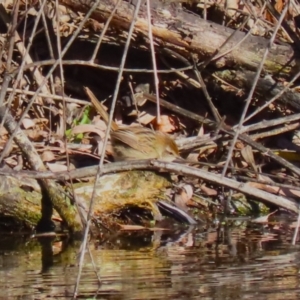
column 275, row 131
column 78, row 62
column 271, row 123
column 156, row 81
column 285, row 88
column 219, row 180
column 212, row 107
column 249, row 98
column 11, row 24
column 55, row 64
column 104, row 30
column 26, row 59
column 99, row 172
column 296, row 229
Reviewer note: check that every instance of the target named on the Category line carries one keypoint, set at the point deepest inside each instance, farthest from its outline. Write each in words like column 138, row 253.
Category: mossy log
column 21, row 200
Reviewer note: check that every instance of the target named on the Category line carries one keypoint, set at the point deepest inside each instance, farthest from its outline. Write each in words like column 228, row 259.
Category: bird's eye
column 171, row 151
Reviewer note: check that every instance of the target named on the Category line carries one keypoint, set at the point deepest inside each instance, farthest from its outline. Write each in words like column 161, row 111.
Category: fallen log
column 187, row 33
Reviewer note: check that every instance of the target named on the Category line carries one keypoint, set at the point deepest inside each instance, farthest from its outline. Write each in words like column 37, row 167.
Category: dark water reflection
column 233, row 263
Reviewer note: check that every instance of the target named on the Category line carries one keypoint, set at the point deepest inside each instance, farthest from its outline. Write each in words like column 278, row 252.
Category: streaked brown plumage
column 130, row 143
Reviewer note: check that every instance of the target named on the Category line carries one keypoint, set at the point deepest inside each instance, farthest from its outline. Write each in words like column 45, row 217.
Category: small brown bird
column 135, row 142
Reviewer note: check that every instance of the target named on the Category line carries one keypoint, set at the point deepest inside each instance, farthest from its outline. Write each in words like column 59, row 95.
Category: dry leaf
column 20, row 162
column 286, row 192
column 132, row 227
column 57, row 167
column 36, row 134
column 247, row 154
column 12, row 160
column 206, row 151
column 208, row 191
column 189, row 190
column 118, row 116
column 265, row 178
column 193, row 157
column 40, row 121
column 3, row 131
column 279, row 5
column 180, row 200
column 87, row 128
column 48, row 156
column 138, row 227
column 28, row 123
column 167, row 124
column 57, row 247
column 99, row 123
column 201, row 131
column 147, row 117
column 263, row 219
column 61, row 145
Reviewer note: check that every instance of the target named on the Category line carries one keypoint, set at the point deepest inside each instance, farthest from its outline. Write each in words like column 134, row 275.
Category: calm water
column 231, row 263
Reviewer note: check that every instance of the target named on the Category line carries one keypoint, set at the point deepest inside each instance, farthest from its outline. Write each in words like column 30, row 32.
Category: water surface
column 233, row 262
